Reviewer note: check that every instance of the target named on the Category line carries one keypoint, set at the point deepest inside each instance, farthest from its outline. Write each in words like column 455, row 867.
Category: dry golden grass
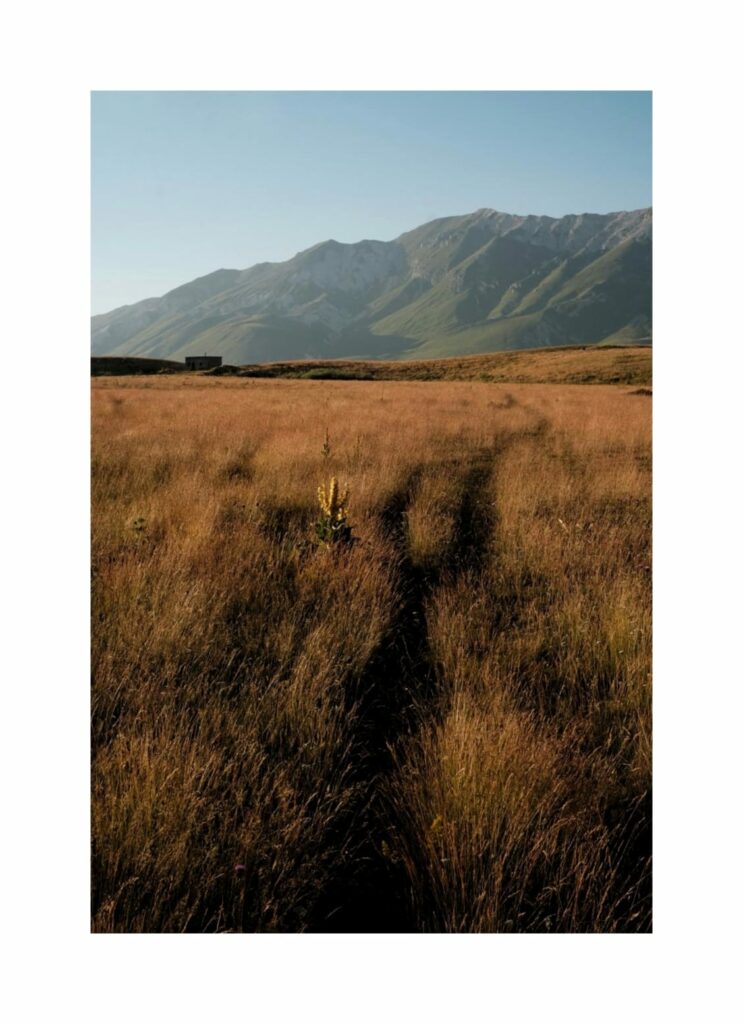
column 592, row 364
column 575, row 365
column 446, row 726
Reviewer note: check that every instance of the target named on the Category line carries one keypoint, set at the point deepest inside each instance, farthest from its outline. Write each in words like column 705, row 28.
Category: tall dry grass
column 443, row 727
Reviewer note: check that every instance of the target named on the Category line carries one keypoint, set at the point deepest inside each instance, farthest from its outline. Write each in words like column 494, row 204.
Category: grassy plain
column 573, row 365
column 444, row 727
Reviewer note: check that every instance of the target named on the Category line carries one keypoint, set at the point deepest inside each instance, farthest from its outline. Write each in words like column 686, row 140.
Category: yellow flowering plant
column 332, row 527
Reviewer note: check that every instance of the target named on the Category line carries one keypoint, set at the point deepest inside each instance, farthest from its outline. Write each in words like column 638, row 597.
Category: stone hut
column 203, row 362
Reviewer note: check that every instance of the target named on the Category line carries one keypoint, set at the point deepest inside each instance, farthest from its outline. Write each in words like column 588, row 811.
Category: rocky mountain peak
column 476, row 282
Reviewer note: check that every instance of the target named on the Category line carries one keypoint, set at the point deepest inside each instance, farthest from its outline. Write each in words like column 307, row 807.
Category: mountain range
column 482, row 282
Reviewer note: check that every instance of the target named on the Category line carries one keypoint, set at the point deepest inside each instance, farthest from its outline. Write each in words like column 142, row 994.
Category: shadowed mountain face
column 459, row 285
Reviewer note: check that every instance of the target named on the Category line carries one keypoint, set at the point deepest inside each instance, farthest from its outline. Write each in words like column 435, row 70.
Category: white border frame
column 56, row 55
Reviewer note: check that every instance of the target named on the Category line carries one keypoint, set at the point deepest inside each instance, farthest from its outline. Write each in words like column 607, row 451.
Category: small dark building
column 203, row 362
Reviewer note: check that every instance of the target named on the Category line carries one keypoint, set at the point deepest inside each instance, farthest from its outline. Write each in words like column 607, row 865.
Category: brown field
column 444, row 727
column 574, row 365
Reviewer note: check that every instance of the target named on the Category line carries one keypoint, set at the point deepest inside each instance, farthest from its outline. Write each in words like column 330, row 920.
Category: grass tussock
column 444, row 726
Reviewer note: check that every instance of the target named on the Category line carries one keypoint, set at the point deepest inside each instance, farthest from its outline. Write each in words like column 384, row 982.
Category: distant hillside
column 483, row 282
column 123, row 366
column 594, row 365
column 591, row 365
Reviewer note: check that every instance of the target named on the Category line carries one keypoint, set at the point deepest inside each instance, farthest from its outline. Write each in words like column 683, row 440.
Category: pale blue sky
column 187, row 182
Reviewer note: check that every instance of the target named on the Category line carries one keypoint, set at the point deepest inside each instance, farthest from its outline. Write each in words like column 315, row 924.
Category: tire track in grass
column 395, row 694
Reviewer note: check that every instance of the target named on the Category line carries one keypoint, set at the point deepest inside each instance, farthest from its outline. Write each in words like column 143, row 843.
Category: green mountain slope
column 482, row 282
